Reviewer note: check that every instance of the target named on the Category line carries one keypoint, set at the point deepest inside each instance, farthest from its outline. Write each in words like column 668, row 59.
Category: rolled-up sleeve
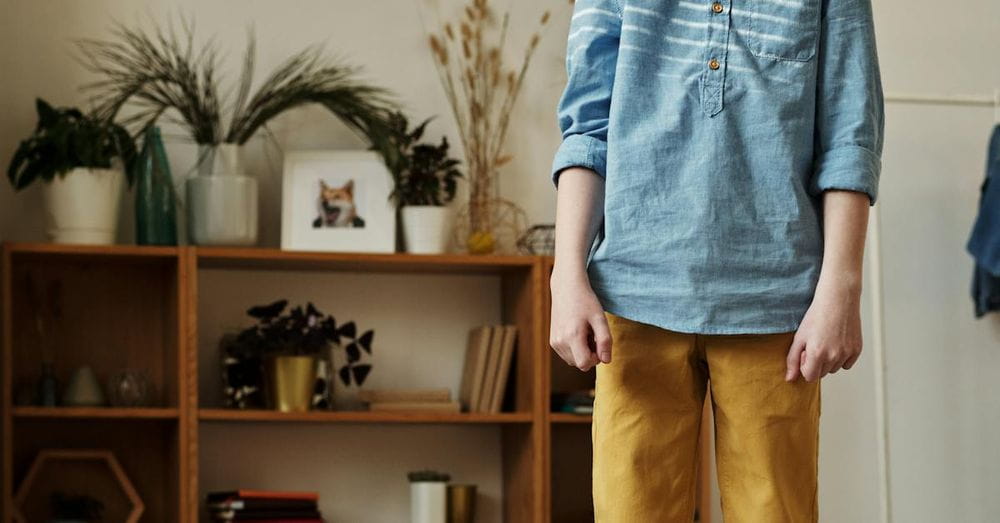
column 850, row 119
column 591, row 57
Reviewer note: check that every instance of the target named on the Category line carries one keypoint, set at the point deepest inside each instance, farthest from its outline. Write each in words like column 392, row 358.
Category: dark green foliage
column 301, row 331
column 64, row 139
column 162, row 71
column 424, row 174
column 428, row 475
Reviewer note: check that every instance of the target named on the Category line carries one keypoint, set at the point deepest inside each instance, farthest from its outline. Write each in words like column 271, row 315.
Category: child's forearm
column 845, row 224
column 579, row 211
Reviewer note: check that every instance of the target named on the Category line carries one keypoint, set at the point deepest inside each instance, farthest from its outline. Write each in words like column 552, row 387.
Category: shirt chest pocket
column 782, row 29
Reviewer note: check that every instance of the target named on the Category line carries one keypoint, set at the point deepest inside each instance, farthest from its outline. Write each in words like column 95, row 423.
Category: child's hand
column 579, row 330
column 829, row 337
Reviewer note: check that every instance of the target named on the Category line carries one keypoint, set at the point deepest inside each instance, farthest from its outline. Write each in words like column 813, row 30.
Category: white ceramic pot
column 221, row 199
column 425, row 228
column 81, row 206
column 428, row 502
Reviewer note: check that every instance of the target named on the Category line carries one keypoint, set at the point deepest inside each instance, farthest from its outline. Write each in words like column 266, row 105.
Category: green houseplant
column 162, row 73
column 425, row 180
column 288, row 344
column 83, row 160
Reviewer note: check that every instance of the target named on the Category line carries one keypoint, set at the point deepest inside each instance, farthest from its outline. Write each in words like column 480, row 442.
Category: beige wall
column 942, row 365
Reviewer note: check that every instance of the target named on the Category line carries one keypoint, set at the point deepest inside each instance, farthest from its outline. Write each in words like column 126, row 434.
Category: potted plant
column 161, row 72
column 425, row 179
column 84, row 160
column 289, row 344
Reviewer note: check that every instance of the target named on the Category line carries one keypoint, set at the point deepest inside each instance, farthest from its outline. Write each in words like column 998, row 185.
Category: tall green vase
column 155, row 198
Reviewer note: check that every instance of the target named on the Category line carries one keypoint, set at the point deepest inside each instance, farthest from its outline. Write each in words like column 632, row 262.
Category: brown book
column 410, row 406
column 503, row 368
column 492, row 361
column 381, row 395
column 474, row 367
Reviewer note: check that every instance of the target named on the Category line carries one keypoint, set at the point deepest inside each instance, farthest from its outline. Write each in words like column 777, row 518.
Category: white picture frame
column 337, row 201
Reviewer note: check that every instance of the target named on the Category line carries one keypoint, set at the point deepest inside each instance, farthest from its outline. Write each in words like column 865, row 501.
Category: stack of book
column 435, row 399
column 486, row 371
column 264, row 506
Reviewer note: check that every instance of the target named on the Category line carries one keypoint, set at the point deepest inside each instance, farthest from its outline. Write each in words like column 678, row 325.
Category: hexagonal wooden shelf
column 95, row 473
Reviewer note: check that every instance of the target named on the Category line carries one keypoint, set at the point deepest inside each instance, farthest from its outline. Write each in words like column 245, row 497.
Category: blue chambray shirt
column 716, row 127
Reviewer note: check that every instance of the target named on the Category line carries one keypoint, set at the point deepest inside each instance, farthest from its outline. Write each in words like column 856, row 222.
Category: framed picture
column 337, row 201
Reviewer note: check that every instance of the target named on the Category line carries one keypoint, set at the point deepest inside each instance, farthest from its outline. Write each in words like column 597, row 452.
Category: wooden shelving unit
column 137, row 307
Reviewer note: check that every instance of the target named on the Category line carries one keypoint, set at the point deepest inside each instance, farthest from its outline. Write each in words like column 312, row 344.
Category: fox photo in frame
column 337, row 201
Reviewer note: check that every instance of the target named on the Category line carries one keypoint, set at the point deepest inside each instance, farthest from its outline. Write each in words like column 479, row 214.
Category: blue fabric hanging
column 984, row 242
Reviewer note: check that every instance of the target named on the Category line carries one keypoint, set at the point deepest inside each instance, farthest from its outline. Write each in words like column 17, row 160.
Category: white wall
column 943, row 418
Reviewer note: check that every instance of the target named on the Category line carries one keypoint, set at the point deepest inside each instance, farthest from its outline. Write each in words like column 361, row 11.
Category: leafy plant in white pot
column 84, row 161
column 162, row 73
column 425, row 179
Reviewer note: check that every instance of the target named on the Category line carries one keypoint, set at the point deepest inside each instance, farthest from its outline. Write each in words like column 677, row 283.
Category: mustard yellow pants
column 647, row 419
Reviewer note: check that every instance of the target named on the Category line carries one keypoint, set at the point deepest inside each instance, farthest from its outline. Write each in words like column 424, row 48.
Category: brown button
column 713, row 64
column 717, row 7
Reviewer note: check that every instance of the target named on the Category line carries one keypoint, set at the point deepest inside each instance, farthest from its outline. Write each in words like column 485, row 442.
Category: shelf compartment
column 96, row 413
column 276, row 259
column 234, row 415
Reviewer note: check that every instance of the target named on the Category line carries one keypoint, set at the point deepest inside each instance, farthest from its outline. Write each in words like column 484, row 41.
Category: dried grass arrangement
column 482, row 89
column 162, row 71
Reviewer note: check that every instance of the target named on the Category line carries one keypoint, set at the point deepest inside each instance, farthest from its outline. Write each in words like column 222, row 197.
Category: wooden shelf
column 234, row 415
column 568, row 417
column 118, row 251
column 276, row 259
column 96, row 413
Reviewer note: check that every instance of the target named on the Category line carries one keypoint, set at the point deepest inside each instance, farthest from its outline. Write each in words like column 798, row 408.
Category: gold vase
column 292, row 381
column 461, row 503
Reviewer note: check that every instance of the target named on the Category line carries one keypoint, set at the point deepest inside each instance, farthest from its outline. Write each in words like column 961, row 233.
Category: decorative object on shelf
column 337, row 201
column 322, row 397
column 69, row 508
column 94, row 474
column 539, row 240
column 428, row 496
column 461, row 503
column 129, row 388
column 43, row 298
column 155, row 198
column 425, row 180
column 47, row 392
column 573, row 402
column 290, row 345
column 161, row 71
column 222, row 198
column 264, row 506
column 83, row 389
column 242, row 376
column 84, row 161
column 482, row 91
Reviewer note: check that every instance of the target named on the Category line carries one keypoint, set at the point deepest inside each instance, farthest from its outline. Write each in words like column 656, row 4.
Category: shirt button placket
column 713, row 81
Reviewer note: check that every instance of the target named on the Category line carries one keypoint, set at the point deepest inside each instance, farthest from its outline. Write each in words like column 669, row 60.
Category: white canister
column 81, row 206
column 425, row 228
column 428, row 502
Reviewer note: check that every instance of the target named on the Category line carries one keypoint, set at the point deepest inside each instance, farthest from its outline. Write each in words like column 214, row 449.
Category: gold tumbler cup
column 461, row 503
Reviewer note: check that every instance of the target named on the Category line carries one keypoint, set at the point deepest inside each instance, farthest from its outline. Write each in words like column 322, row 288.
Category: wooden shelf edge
column 234, row 415
column 272, row 258
column 92, row 250
column 567, row 417
column 96, row 412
